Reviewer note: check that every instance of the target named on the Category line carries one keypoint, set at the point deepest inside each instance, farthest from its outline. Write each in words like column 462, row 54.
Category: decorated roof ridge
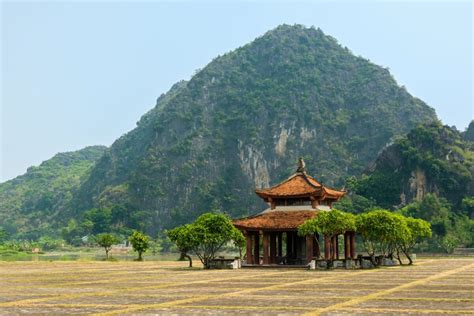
column 307, row 177
column 299, row 184
column 293, row 187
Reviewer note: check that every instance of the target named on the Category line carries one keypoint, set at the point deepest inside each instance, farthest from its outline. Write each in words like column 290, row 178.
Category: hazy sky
column 82, row 73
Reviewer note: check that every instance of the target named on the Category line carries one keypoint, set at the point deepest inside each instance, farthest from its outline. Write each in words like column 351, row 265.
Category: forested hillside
column 243, row 121
column 32, row 205
column 430, row 159
column 240, row 123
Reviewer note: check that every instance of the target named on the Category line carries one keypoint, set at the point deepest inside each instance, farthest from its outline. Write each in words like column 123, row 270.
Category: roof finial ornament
column 301, row 165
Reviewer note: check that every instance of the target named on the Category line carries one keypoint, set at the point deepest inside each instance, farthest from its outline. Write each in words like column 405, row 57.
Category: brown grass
column 438, row 286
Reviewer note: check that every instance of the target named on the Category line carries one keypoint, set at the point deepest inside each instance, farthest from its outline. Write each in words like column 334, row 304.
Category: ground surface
column 438, row 286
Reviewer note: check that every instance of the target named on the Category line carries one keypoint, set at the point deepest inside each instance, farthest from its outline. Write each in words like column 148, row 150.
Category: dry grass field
column 431, row 287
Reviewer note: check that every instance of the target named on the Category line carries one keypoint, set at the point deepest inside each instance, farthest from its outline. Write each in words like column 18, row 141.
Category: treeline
column 451, row 229
column 383, row 233
column 427, row 174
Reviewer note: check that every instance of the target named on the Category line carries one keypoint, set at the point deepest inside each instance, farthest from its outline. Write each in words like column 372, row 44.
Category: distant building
column 291, row 203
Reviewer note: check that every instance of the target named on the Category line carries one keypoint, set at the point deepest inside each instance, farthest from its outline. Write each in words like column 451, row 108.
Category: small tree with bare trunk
column 106, row 241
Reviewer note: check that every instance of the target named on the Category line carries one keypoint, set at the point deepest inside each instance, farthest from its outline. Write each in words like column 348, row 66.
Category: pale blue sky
column 82, row 73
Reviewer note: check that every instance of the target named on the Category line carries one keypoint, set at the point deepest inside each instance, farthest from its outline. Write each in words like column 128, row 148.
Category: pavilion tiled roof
column 276, row 220
column 299, row 185
column 333, row 193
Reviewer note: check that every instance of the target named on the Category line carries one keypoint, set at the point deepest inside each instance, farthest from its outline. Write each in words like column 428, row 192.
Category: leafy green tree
column 418, row 229
column 355, row 204
column 207, row 235
column 381, row 231
column 164, row 242
column 101, row 219
column 467, row 204
column 185, row 240
column 329, row 224
column 239, row 242
column 106, row 241
column 140, row 243
column 3, row 236
column 213, row 232
column 449, row 242
column 464, row 230
column 50, row 243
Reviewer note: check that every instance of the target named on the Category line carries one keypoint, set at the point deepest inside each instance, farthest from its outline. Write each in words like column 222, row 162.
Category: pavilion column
column 336, row 246
column 289, row 245
column 347, row 245
column 353, row 244
column 309, row 248
column 295, row 244
column 280, row 244
column 266, row 257
column 256, row 249
column 316, row 248
column 335, row 251
column 327, row 248
column 273, row 247
column 248, row 239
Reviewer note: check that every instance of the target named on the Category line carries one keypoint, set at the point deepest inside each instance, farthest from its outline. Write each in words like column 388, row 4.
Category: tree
column 381, row 231
column 185, row 240
column 106, row 241
column 3, row 236
column 467, row 203
column 329, row 224
column 207, row 235
column 100, row 218
column 140, row 243
column 449, row 242
column 419, row 229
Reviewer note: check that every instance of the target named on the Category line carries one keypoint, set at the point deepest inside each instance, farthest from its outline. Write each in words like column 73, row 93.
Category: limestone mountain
column 431, row 159
column 32, row 203
column 242, row 122
column 469, row 133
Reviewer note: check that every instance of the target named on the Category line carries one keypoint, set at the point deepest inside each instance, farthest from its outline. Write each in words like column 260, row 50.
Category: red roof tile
column 299, row 185
column 275, row 220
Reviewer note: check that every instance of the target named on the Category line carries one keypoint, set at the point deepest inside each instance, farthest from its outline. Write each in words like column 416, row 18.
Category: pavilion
column 291, row 203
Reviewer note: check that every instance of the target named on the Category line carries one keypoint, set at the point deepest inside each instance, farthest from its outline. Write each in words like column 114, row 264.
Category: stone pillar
column 353, row 244
column 347, row 246
column 280, row 244
column 248, row 239
column 309, row 248
column 256, row 248
column 273, row 247
column 266, row 255
column 327, row 248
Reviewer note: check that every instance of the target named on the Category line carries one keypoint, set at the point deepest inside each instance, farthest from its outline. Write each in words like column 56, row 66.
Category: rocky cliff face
column 430, row 159
column 243, row 121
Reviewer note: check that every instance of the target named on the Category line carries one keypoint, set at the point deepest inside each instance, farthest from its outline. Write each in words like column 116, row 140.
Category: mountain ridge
column 242, row 121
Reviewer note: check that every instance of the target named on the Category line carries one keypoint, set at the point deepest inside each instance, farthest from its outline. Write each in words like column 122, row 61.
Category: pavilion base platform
column 274, row 266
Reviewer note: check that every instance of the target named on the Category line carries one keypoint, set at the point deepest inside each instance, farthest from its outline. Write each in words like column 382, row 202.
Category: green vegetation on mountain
column 242, row 121
column 427, row 174
column 239, row 123
column 430, row 159
column 31, row 204
column 469, row 133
